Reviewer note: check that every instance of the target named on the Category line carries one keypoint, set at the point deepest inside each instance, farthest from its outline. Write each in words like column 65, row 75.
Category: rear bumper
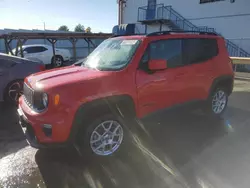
column 67, row 58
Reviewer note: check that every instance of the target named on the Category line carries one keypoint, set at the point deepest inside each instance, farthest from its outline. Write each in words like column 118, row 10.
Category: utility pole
column 44, row 31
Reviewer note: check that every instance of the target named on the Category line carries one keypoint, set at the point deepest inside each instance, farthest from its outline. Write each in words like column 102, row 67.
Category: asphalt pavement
column 173, row 149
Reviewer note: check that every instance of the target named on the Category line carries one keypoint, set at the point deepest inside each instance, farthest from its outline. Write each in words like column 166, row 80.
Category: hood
column 62, row 76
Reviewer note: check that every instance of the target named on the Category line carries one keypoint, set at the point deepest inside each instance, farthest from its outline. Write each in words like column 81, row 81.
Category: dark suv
column 124, row 77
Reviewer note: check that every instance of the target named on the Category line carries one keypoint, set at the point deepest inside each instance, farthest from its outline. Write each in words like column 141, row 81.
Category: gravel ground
column 177, row 149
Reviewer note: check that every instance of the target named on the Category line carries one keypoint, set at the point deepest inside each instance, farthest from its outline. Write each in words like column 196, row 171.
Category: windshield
column 112, row 54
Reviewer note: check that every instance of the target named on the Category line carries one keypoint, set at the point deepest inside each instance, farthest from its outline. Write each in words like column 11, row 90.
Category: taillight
column 41, row 67
column 231, row 61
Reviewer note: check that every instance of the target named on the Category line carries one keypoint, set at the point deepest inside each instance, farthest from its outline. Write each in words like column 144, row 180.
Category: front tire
column 104, row 136
column 13, row 91
column 217, row 102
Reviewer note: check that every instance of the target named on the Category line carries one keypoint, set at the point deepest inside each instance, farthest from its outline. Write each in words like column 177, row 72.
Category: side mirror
column 156, row 65
column 25, row 52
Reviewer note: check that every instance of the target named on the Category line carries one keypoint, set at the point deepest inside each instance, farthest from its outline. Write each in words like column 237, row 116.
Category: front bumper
column 30, row 134
column 28, row 130
column 34, row 124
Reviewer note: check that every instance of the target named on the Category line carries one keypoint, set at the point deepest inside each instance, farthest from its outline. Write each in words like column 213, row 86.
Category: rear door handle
column 180, row 75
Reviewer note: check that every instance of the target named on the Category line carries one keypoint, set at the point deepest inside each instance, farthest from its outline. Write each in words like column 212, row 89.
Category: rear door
column 200, row 53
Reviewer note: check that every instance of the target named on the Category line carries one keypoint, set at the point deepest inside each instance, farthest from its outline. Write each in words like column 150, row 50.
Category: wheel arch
column 226, row 81
column 122, row 105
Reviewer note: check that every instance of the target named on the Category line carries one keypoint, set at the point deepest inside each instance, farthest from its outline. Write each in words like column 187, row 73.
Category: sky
column 100, row 15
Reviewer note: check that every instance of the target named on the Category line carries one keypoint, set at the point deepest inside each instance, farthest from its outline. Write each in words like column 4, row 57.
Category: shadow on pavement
column 163, row 145
column 10, row 131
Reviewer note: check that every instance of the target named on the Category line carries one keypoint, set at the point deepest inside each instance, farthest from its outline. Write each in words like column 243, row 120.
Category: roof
column 54, row 35
column 138, row 37
column 33, row 45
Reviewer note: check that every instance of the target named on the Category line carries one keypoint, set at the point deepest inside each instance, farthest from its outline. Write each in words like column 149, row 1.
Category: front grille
column 28, row 94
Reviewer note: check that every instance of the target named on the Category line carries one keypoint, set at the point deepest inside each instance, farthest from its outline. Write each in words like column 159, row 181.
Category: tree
column 79, row 28
column 63, row 28
column 88, row 30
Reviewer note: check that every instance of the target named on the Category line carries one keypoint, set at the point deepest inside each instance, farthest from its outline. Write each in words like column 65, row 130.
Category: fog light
column 47, row 129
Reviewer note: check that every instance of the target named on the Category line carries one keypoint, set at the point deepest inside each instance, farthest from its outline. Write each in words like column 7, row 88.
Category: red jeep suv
column 86, row 104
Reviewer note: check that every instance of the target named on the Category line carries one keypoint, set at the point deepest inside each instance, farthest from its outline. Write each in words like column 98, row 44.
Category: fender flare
column 220, row 79
column 90, row 105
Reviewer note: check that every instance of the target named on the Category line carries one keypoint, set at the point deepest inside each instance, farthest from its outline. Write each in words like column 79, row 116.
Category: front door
column 154, row 90
column 165, row 88
column 151, row 10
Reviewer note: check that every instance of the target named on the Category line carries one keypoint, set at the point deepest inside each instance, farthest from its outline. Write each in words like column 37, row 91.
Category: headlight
column 45, row 99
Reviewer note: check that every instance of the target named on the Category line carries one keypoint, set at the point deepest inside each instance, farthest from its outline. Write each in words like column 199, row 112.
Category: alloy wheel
column 58, row 62
column 219, row 102
column 15, row 91
column 106, row 138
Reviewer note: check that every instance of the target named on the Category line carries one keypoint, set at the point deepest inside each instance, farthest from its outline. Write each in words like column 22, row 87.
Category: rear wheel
column 13, row 91
column 217, row 102
column 58, row 61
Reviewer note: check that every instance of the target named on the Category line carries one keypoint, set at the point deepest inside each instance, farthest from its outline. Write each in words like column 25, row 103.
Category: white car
column 44, row 53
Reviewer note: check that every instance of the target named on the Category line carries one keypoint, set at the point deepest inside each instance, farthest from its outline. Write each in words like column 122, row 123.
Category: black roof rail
column 179, row 31
column 114, row 36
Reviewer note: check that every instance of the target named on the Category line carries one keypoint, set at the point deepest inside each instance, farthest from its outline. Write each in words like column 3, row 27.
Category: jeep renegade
column 124, row 77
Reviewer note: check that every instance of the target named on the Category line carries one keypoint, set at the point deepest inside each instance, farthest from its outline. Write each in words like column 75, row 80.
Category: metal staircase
column 166, row 15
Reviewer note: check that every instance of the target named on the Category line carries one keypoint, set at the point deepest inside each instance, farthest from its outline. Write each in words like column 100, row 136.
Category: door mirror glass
column 159, row 64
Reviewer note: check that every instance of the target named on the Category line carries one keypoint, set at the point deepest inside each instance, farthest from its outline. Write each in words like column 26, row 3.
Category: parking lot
column 177, row 149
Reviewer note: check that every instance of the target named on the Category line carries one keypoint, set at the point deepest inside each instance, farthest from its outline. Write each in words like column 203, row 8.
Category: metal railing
column 146, row 14
column 239, row 64
column 235, row 51
column 170, row 16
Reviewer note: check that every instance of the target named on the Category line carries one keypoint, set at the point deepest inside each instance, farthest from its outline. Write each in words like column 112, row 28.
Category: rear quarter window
column 199, row 50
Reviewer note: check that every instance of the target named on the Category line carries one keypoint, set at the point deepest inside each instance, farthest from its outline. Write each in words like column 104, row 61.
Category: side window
column 170, row 50
column 43, row 49
column 35, row 49
column 25, row 50
column 29, row 50
column 145, row 59
column 210, row 48
column 199, row 50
